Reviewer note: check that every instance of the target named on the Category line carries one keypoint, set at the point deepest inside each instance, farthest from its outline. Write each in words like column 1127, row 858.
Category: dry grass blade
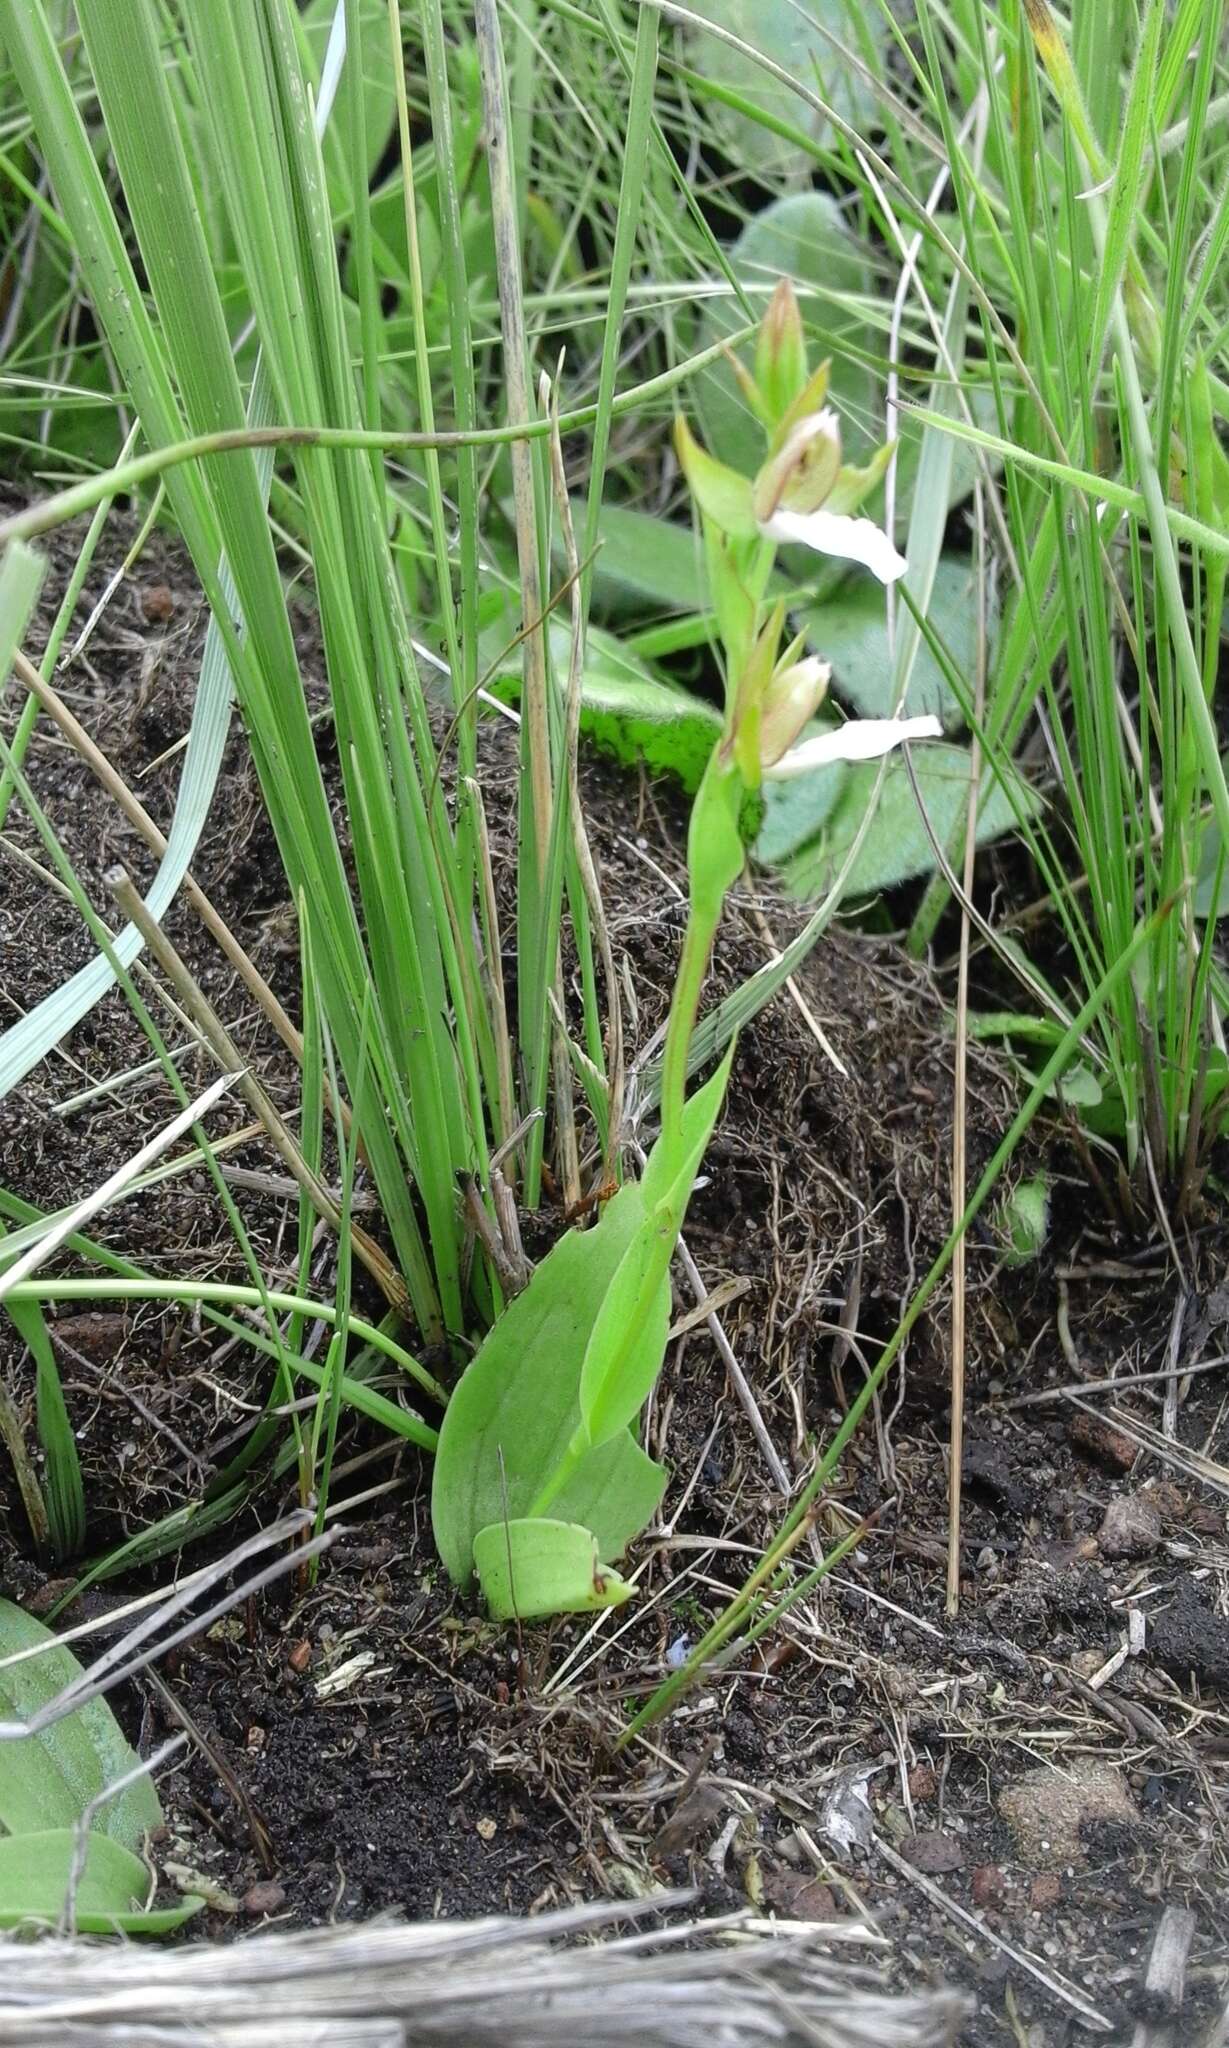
column 502, row 1981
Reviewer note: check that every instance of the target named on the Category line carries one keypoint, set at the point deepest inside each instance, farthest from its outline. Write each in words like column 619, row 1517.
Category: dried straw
column 511, row 1982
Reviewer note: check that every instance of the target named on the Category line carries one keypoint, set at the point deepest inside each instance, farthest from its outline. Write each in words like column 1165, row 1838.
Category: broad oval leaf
column 531, row 1568
column 628, row 711
column 850, row 629
column 516, row 1408
column 109, row 1897
column 897, row 848
column 796, row 810
column 48, row 1779
column 645, row 563
column 820, row 43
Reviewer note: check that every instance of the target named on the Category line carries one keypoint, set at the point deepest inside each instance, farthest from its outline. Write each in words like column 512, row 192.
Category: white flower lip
column 835, row 533
column 860, row 739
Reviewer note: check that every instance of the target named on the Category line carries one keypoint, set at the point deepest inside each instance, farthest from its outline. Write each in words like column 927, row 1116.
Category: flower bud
column 792, row 698
column 780, row 354
column 802, row 475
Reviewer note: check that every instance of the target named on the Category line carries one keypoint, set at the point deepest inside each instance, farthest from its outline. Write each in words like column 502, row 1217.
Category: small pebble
column 268, row 1897
column 1132, row 1527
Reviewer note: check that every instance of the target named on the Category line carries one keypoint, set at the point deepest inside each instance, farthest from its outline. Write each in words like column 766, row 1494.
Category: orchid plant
column 540, row 1479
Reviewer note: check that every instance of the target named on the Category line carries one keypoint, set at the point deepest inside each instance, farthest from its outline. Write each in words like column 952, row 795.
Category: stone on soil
column 1047, row 1810
column 1132, row 1527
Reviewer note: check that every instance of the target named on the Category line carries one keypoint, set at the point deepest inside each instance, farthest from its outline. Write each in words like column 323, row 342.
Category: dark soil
column 388, row 1748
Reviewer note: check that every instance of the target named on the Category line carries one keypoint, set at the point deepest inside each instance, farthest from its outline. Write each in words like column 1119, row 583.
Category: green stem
column 702, row 922
column 714, row 861
column 563, row 1471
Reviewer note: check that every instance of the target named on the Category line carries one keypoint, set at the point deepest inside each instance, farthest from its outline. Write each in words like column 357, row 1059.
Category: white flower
column 860, row 739
column 835, row 533
column 804, row 493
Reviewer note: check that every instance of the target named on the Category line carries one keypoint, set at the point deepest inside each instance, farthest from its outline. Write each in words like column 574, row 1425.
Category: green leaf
column 531, row 1568
column 629, row 712
column 625, row 1350
column 798, row 808
column 804, row 237
column 1023, row 1219
column 62, row 1486
column 792, row 36
column 723, row 494
column 36, row 1870
column 1079, row 1087
column 48, row 1779
column 616, row 1489
column 898, row 847
column 850, row 629
column 516, row 1409
column 645, row 563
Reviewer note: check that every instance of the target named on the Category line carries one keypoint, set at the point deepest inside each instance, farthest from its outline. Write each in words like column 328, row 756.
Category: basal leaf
column 47, row 1780
column 109, row 1898
column 615, row 1490
column 516, row 1407
column 531, row 1568
column 797, row 809
column 850, row 629
column 898, row 846
column 628, row 711
column 646, row 563
column 792, row 35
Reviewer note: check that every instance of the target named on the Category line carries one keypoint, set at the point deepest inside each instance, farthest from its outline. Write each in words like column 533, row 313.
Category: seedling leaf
column 516, row 1409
